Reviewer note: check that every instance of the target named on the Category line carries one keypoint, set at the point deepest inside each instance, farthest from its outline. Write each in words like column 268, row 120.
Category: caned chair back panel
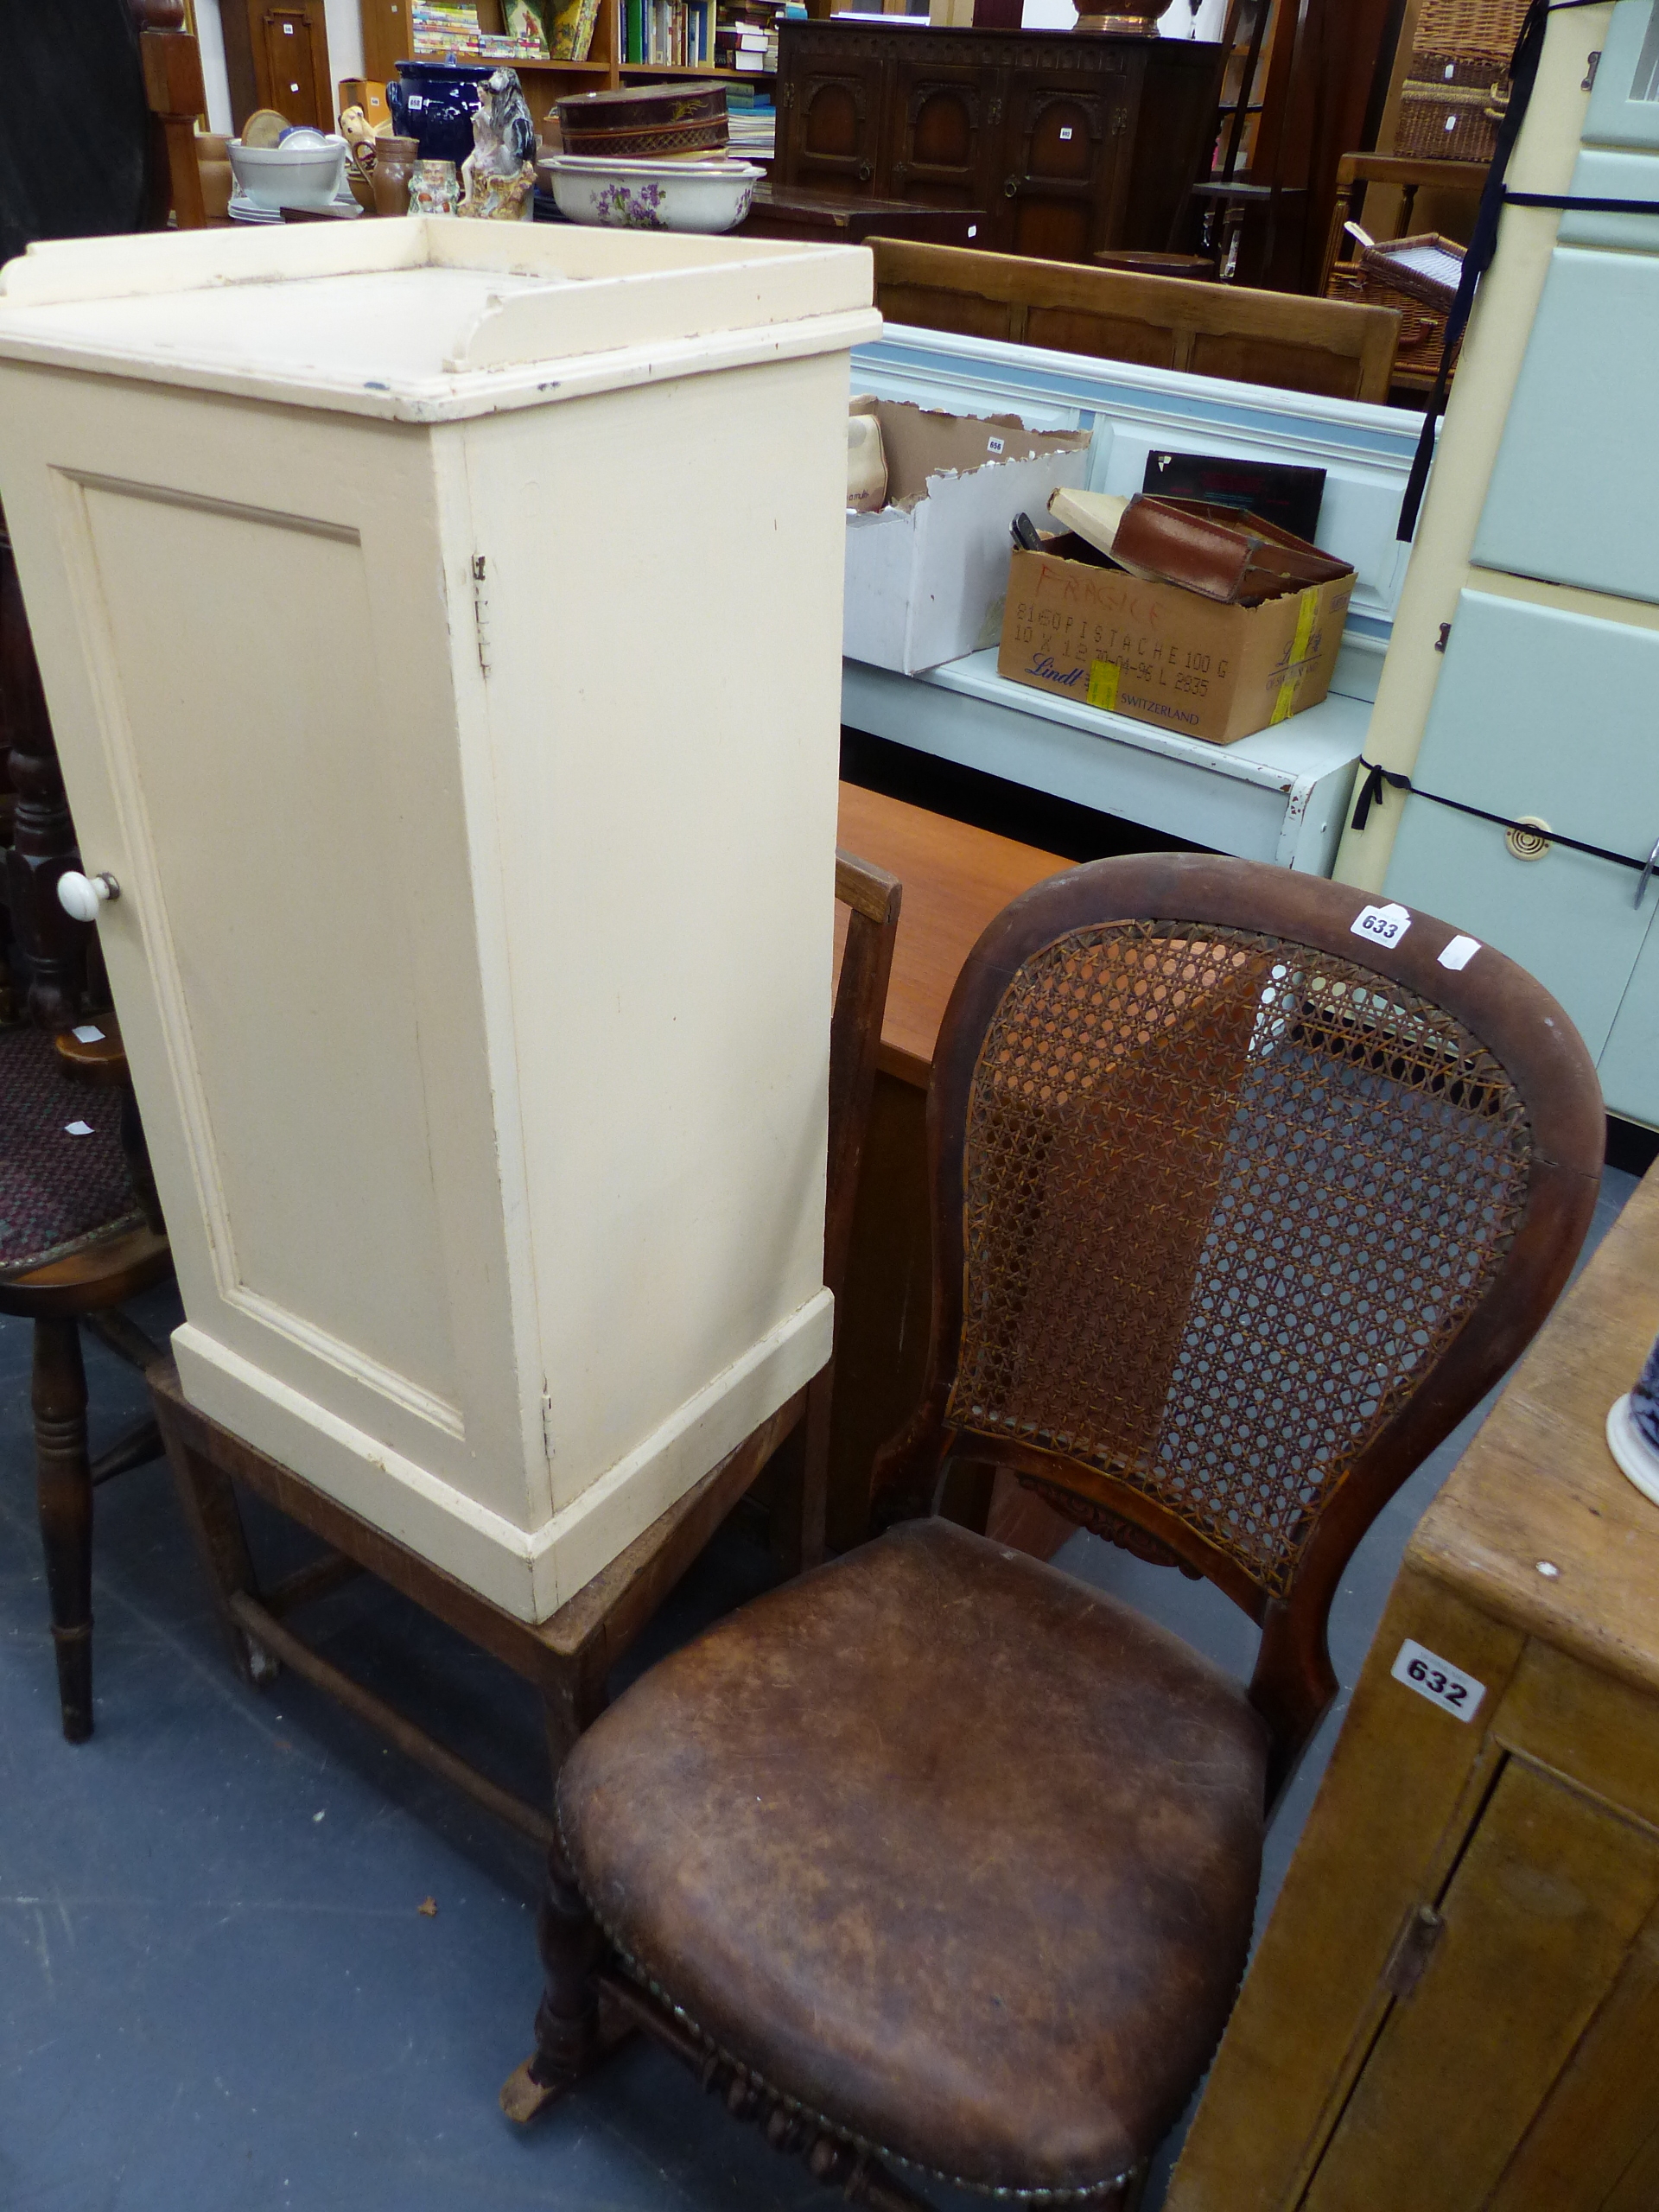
column 1236, row 1213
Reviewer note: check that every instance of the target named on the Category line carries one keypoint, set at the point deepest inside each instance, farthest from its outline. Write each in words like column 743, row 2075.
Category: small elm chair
column 568, row 1657
column 77, row 1240
column 938, row 1859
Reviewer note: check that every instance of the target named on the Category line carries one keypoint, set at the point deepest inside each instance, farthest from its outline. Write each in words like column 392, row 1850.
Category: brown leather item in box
column 1218, row 550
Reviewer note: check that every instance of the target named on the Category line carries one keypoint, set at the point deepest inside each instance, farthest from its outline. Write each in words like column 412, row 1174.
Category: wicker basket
column 1422, row 327
column 1385, row 262
column 1458, row 84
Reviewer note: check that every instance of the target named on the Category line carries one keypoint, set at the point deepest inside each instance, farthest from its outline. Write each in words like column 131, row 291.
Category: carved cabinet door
column 830, row 128
column 1066, row 172
column 943, row 134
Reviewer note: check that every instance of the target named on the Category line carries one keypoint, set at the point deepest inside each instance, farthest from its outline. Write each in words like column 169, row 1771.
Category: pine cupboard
column 1455, row 2006
column 474, row 937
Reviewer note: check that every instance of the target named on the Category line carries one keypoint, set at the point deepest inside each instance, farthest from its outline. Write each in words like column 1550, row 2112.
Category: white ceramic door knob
column 82, row 896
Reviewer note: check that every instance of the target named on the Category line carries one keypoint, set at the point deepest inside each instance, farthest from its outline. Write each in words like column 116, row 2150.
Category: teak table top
column 1539, row 1482
column 956, row 880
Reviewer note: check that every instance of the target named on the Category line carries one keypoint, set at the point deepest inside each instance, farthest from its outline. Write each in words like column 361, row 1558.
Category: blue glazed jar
column 434, row 103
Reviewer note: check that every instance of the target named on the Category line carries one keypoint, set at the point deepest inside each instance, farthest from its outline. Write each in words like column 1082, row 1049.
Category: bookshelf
column 386, row 42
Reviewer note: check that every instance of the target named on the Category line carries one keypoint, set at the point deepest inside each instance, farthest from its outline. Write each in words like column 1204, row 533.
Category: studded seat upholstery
column 1000, row 1953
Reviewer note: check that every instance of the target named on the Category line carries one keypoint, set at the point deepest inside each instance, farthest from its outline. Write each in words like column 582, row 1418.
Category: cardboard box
column 923, row 574
column 1075, row 624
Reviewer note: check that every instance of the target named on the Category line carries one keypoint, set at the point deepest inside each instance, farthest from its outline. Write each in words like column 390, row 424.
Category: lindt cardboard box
column 1076, row 624
column 923, row 571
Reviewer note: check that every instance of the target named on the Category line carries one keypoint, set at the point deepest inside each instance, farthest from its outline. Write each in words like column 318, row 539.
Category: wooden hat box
column 646, row 123
column 440, row 622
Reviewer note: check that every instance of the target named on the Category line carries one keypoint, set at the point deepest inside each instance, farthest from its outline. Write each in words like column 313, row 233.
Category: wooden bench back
column 1330, row 346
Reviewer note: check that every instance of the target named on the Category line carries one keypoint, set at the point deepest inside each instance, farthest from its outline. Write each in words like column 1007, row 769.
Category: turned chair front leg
column 64, row 1485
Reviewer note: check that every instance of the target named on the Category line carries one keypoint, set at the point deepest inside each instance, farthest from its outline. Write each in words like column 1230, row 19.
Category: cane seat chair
column 938, row 1858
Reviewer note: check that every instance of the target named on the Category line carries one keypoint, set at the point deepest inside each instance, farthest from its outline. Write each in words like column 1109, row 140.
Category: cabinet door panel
column 1544, row 1907
column 1568, row 697
column 291, row 63
column 1599, row 2132
column 1625, row 100
column 1564, row 918
column 1543, row 711
column 835, row 124
column 265, row 941
column 1062, row 148
column 943, row 124
column 1572, row 490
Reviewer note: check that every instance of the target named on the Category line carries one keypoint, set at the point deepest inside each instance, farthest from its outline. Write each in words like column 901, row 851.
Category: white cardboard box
column 474, row 938
column 923, row 573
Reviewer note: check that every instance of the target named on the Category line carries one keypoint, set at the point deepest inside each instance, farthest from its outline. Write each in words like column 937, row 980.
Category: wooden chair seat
column 916, row 1935
column 58, row 1194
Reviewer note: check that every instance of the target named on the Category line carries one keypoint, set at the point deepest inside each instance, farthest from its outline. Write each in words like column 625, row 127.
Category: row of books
column 669, row 34
column 561, row 31
column 440, row 29
column 686, row 35
column 656, row 33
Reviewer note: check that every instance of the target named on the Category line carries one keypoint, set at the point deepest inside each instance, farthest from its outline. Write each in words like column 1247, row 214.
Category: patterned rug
column 57, row 1192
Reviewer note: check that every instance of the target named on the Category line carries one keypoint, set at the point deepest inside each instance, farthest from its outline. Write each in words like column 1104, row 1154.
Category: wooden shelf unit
column 386, row 42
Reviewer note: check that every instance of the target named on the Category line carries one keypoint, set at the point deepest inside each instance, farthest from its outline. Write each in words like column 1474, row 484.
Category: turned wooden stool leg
column 64, row 1484
column 567, row 2021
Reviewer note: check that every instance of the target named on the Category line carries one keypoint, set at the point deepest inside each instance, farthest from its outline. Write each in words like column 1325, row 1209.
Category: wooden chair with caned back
column 1163, row 322
column 939, row 1857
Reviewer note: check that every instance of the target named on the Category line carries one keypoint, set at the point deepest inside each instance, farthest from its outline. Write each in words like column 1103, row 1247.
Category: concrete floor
column 218, row 1992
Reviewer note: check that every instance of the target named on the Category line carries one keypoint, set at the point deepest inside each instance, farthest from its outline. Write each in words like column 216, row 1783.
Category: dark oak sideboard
column 1070, row 142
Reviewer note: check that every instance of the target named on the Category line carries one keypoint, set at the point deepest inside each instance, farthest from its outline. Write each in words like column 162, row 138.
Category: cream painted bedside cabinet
column 441, row 624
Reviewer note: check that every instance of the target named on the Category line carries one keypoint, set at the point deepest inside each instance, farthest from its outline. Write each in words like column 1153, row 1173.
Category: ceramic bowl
column 289, row 175
column 707, row 196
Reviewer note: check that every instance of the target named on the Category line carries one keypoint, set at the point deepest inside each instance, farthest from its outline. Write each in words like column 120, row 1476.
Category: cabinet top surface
column 422, row 320
column 1539, row 1484
column 1055, row 44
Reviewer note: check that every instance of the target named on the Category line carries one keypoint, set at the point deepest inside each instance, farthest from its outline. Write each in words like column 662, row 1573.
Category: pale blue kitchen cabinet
column 1547, row 702
column 1508, row 734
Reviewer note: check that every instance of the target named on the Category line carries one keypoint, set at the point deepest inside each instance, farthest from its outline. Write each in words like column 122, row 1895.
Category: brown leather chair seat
column 922, row 1937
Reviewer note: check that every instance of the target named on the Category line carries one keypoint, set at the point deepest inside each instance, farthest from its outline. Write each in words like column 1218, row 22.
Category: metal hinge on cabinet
column 481, row 611
column 1413, row 1951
